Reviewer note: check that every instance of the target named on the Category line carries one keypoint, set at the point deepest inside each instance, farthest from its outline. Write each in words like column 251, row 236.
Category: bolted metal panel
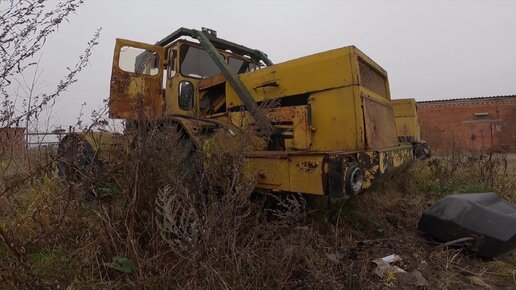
column 380, row 127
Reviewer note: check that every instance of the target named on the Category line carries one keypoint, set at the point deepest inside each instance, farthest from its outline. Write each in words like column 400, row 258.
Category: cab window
column 196, row 63
column 172, row 54
column 186, row 95
column 137, row 60
column 239, row 66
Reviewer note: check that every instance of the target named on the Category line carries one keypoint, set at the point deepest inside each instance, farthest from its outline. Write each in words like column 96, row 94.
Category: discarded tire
column 487, row 218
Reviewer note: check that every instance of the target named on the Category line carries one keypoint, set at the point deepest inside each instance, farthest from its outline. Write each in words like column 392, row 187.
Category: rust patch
column 292, row 122
column 380, row 128
column 307, row 166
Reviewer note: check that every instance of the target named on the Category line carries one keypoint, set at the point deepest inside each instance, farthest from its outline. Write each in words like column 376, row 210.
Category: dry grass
column 468, row 172
column 189, row 221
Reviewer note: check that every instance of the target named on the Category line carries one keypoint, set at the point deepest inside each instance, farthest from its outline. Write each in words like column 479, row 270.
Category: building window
column 482, row 115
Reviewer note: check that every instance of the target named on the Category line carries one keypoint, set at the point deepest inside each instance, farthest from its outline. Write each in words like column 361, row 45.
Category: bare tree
column 24, row 28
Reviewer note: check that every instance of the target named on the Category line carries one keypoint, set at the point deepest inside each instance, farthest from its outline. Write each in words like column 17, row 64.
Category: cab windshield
column 195, row 62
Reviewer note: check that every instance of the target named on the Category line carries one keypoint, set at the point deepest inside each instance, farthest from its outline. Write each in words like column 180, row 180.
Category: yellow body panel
column 407, row 119
column 272, row 173
column 292, row 172
column 386, row 161
column 305, row 173
column 322, row 71
column 336, row 123
column 309, row 173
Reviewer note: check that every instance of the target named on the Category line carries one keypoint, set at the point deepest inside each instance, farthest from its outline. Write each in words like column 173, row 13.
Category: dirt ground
column 442, row 268
column 449, row 268
column 511, row 157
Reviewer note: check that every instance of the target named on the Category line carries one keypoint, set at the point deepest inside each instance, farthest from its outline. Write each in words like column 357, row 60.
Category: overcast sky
column 430, row 49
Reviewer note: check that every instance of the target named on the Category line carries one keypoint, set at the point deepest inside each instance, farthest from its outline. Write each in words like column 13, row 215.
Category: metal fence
column 36, row 140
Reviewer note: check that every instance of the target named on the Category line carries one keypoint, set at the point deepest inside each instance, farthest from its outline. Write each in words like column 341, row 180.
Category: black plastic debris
column 487, row 218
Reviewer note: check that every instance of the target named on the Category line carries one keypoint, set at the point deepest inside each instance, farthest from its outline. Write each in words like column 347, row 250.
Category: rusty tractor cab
column 407, row 126
column 333, row 131
column 179, row 77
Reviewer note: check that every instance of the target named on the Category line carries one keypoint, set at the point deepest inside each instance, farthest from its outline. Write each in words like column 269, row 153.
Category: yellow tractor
column 332, row 130
column 407, row 126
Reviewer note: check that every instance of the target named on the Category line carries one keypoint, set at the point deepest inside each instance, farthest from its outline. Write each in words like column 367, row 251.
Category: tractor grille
column 371, row 79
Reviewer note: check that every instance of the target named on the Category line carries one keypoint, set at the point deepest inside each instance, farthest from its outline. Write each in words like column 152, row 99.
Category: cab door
column 136, row 81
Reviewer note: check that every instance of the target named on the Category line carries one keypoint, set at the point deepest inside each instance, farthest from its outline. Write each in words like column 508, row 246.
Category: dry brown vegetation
column 169, row 217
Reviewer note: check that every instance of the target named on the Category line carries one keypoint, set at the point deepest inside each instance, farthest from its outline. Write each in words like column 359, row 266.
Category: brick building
column 474, row 123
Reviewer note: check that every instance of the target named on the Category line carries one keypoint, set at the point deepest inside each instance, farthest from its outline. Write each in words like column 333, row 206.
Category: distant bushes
column 463, row 172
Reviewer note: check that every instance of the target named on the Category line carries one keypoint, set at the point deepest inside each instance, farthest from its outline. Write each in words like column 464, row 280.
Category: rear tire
column 75, row 162
column 421, row 150
column 354, row 179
